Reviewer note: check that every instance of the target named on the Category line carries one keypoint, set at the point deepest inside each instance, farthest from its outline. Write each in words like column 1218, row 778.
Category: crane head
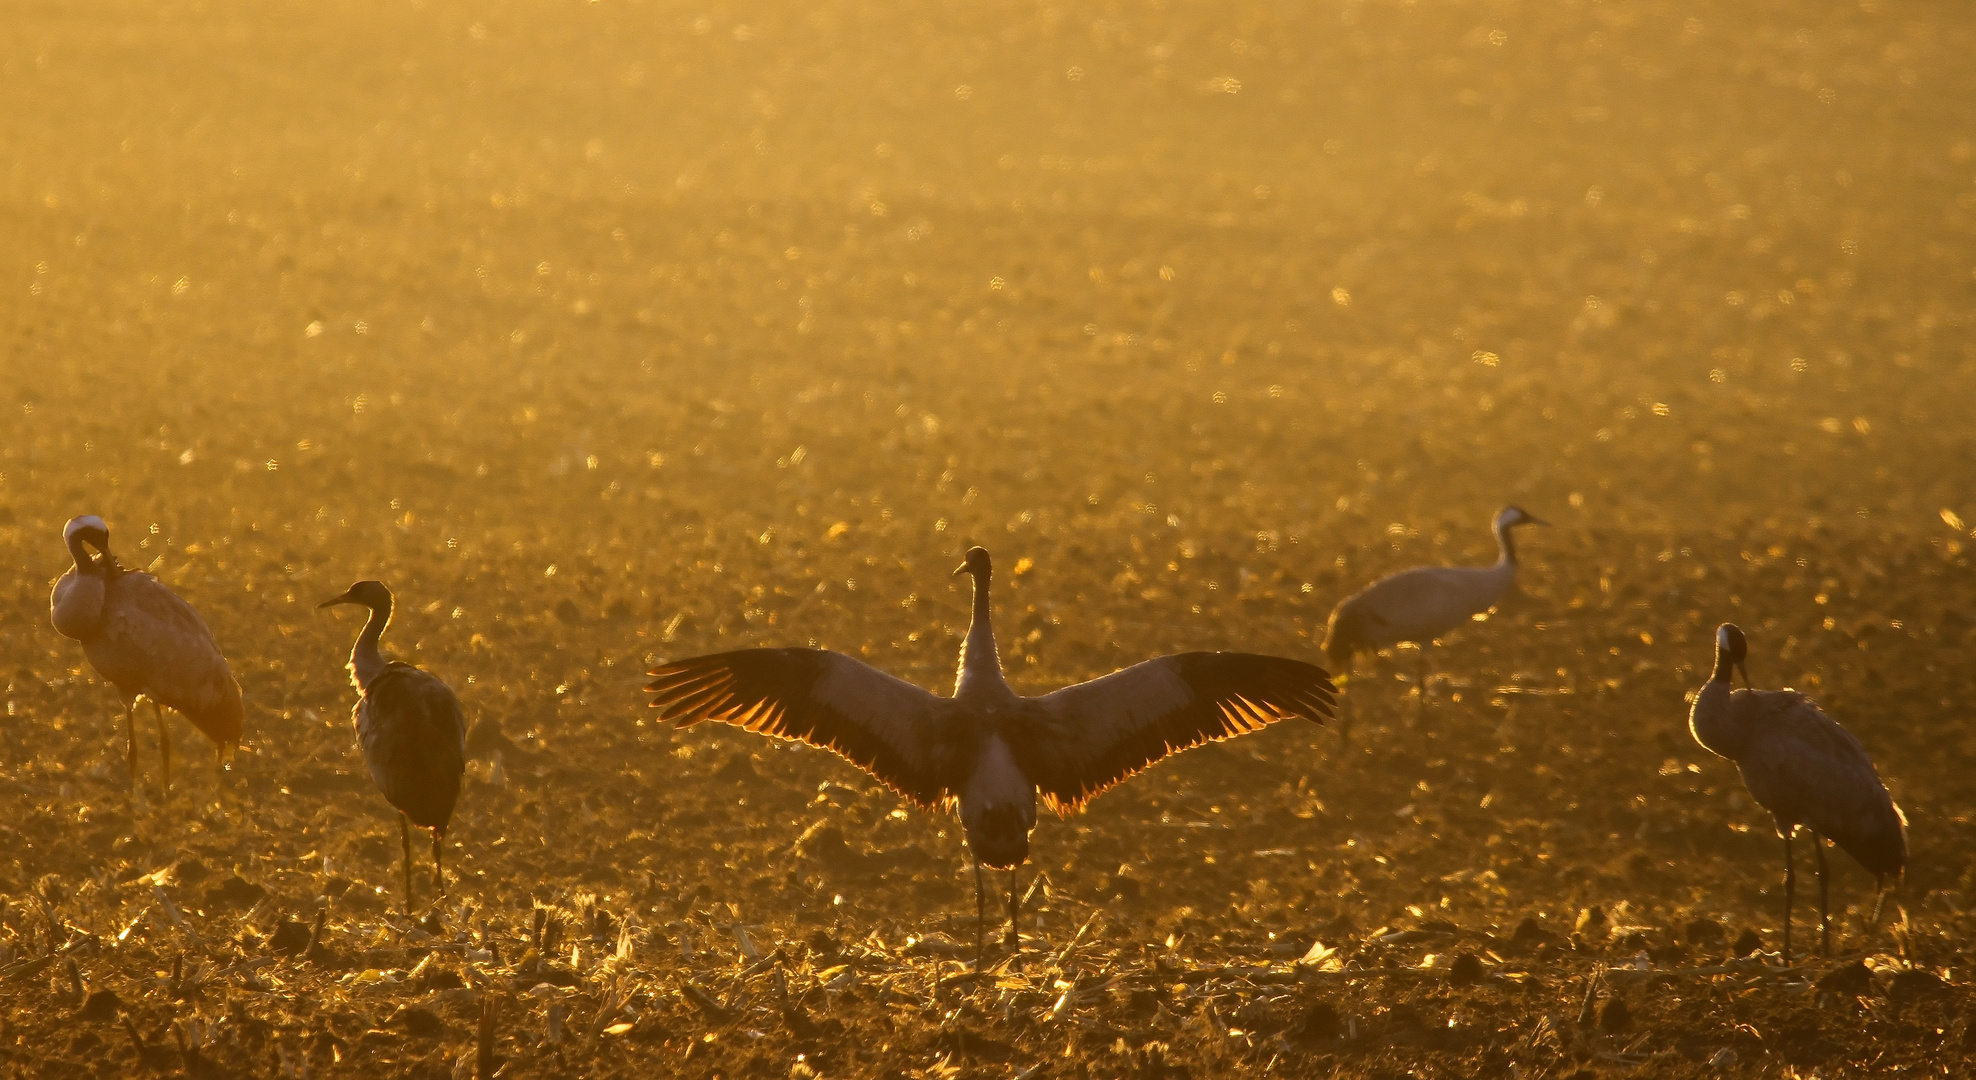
column 370, row 594
column 1512, row 516
column 88, row 529
column 1731, row 650
column 976, row 564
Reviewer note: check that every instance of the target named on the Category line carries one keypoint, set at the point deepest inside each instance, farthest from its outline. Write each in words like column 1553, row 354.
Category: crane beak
column 335, row 600
column 1744, row 670
column 959, row 570
column 1532, row 519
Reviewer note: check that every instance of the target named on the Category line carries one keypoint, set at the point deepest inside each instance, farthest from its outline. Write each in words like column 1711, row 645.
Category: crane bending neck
column 1714, row 721
column 981, row 665
column 366, row 657
column 85, row 562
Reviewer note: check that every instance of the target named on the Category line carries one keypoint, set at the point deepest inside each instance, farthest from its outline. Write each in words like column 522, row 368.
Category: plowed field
column 620, row 331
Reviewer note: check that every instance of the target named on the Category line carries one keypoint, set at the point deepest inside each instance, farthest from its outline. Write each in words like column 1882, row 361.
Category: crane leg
column 1790, row 890
column 130, row 739
column 164, row 744
column 1420, row 684
column 980, row 916
column 405, row 836
column 1824, row 917
column 219, row 774
column 1012, row 940
column 438, row 871
column 1344, row 718
column 1879, row 898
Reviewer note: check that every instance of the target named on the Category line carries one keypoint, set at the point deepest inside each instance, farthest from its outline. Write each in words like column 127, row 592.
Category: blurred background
column 614, row 331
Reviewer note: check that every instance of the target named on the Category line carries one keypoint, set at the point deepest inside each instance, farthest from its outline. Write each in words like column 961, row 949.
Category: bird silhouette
column 1421, row 604
column 986, row 749
column 1800, row 765
column 412, row 731
column 148, row 643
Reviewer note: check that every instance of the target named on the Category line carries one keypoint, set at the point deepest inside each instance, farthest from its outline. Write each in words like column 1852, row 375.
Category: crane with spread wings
column 986, row 749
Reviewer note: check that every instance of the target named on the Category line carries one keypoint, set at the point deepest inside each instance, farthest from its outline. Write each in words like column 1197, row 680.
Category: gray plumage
column 1800, row 765
column 411, row 730
column 987, row 749
column 1424, row 603
column 146, row 641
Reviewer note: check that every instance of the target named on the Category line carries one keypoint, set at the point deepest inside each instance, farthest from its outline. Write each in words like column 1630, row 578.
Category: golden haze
column 613, row 331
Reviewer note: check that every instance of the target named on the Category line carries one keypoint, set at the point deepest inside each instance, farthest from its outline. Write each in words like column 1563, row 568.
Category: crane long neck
column 981, row 666
column 1725, row 668
column 1505, row 546
column 366, row 658
column 1715, row 721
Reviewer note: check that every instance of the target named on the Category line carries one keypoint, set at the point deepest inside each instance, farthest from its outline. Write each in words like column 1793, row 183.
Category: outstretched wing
column 1095, row 734
column 883, row 725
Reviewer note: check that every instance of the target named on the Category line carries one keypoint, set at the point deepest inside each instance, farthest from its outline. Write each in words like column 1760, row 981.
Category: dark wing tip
column 689, row 691
column 1284, row 686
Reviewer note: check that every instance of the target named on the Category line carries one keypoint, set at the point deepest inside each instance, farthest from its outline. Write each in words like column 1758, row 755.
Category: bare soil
column 619, row 331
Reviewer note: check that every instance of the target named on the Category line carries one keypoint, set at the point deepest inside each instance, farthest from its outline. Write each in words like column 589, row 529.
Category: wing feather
column 414, row 737
column 883, row 725
column 1807, row 769
column 1416, row 605
column 154, row 643
column 1090, row 736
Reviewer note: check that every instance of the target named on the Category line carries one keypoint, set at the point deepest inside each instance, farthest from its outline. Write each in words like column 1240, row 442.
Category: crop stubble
column 635, row 331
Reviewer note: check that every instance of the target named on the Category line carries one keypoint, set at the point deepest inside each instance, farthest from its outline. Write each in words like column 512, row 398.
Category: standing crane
column 1422, row 604
column 411, row 729
column 1800, row 765
column 148, row 643
column 986, row 748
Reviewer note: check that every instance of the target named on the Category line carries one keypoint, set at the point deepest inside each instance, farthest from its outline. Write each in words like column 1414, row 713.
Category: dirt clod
column 421, row 1023
column 101, row 1005
column 1853, row 978
column 1910, row 983
column 290, row 938
column 1749, row 941
column 1531, row 932
column 1614, row 1015
column 235, row 893
column 1317, row 1024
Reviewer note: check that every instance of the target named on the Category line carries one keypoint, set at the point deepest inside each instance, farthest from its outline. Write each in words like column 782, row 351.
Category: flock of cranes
column 985, row 751
column 149, row 643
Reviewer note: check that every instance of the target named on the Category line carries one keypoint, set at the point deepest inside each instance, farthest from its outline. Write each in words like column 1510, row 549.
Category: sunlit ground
column 612, row 332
